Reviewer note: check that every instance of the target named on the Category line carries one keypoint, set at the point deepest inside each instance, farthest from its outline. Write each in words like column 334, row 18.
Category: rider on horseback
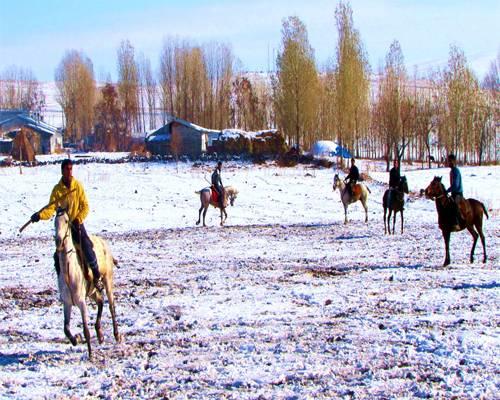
column 78, row 209
column 394, row 179
column 456, row 190
column 352, row 177
column 217, row 183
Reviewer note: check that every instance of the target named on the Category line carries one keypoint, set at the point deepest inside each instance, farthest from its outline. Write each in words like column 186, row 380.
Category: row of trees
column 392, row 115
column 19, row 90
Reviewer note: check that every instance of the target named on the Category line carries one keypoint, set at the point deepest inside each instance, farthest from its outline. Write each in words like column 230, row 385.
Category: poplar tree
column 128, row 86
column 352, row 81
column 76, row 94
column 296, row 84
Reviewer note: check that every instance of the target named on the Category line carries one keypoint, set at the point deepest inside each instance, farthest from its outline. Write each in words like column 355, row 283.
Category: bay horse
column 206, row 198
column 75, row 286
column 396, row 204
column 359, row 193
column 473, row 218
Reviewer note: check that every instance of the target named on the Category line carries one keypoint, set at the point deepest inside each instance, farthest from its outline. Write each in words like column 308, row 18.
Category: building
column 180, row 137
column 44, row 138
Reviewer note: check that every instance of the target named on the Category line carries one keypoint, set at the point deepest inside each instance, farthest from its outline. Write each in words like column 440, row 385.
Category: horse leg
column 394, row 222
column 365, row 206
column 389, row 214
column 479, row 228
column 199, row 215
column 83, row 310
column 402, row 219
column 225, row 215
column 205, row 213
column 98, row 330
column 446, row 237
column 67, row 321
column 221, row 216
column 475, row 235
column 111, row 301
column 345, row 213
column 385, row 225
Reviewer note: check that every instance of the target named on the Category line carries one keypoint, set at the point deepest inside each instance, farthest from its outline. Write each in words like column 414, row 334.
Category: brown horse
column 446, row 217
column 396, row 204
column 230, row 194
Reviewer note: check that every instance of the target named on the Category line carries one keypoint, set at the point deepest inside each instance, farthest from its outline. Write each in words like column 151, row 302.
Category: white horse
column 360, row 192
column 230, row 194
column 74, row 286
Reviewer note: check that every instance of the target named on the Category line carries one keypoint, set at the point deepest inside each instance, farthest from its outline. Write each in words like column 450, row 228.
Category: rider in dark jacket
column 352, row 177
column 394, row 179
column 456, row 189
column 217, row 183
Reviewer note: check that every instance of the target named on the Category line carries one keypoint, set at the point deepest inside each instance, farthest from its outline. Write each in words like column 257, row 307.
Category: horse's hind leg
column 475, row 236
column 204, row 213
column 67, row 320
column 111, row 300
column 199, row 216
column 479, row 228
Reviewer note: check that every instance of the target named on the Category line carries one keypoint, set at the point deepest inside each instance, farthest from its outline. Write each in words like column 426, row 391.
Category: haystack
column 22, row 150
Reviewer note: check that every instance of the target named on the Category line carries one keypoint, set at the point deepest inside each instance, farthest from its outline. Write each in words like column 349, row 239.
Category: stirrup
column 98, row 284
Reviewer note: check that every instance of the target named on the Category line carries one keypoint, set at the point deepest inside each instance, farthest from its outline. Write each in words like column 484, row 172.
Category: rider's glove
column 35, row 217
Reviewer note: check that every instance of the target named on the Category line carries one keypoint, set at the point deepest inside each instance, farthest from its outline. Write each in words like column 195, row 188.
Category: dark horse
column 396, row 204
column 446, row 217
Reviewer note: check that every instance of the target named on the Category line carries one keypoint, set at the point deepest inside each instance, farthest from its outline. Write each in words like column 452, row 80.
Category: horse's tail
column 367, row 188
column 485, row 211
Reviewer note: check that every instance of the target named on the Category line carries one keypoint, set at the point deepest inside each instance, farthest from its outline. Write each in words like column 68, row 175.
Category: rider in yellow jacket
column 72, row 196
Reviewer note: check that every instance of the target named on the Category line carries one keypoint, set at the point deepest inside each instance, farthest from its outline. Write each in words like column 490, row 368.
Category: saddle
column 356, row 190
column 214, row 196
column 87, row 272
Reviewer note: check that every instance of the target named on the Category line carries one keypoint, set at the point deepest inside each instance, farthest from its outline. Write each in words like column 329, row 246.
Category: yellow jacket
column 76, row 202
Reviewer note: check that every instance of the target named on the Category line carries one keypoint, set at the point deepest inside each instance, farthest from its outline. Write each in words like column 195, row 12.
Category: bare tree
column 352, row 82
column 296, row 84
column 76, row 93
column 128, row 86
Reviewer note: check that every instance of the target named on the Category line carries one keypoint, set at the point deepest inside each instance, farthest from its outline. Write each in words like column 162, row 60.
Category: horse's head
column 336, row 182
column 403, row 185
column 435, row 189
column 232, row 194
column 62, row 228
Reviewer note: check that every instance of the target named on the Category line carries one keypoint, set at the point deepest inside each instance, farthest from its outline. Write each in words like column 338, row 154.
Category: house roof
column 16, row 118
column 158, row 134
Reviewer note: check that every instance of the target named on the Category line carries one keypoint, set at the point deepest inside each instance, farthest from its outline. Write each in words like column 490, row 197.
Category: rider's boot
column 97, row 277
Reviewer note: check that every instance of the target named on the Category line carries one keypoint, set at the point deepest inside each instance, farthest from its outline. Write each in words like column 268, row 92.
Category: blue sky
column 35, row 34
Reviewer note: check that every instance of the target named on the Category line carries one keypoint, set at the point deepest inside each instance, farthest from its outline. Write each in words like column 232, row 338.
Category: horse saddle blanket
column 356, row 190
column 214, row 195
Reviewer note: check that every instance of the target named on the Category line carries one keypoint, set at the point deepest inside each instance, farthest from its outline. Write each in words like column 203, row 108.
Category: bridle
column 60, row 248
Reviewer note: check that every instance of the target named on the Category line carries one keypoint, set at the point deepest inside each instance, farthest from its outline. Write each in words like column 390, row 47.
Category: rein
column 67, row 272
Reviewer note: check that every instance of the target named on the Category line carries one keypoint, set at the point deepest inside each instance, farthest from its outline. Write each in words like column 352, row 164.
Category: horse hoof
column 77, row 339
column 198, row 223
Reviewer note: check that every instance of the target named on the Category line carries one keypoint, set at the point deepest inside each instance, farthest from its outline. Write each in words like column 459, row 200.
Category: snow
column 283, row 302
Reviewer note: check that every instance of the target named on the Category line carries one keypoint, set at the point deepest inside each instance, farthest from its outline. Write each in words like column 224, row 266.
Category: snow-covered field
column 283, row 302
